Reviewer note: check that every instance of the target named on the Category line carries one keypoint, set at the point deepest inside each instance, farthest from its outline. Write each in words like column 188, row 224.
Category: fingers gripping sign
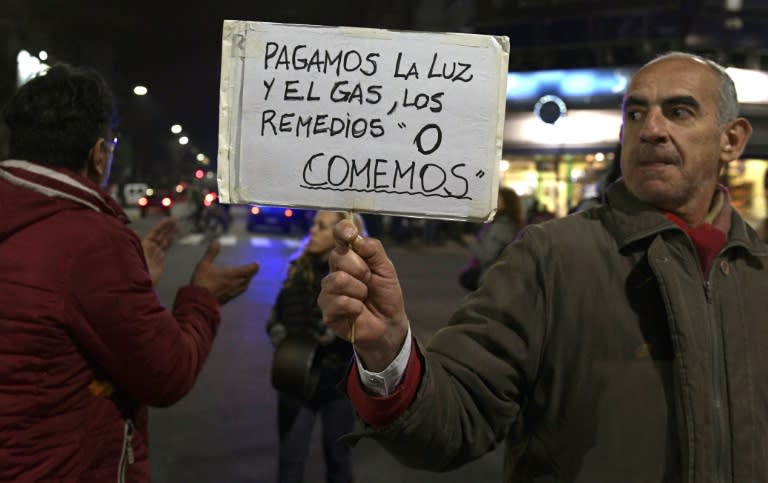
column 359, row 270
column 363, row 290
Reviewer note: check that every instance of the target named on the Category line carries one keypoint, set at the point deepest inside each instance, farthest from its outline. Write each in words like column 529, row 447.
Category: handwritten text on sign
column 405, row 123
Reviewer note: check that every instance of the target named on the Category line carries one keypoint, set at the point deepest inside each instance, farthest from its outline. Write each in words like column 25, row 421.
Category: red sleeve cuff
column 379, row 411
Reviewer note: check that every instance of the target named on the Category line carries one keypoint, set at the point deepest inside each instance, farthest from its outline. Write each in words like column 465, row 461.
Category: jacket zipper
column 126, row 454
column 718, row 417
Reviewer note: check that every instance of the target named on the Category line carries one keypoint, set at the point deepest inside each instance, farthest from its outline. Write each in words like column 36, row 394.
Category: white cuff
column 385, row 382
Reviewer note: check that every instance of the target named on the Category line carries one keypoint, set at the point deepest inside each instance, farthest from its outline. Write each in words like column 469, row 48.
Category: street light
column 183, row 140
column 28, row 66
column 140, row 90
column 176, row 128
column 200, row 157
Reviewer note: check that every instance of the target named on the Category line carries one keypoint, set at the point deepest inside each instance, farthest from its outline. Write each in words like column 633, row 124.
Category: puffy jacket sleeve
column 478, row 369
column 148, row 352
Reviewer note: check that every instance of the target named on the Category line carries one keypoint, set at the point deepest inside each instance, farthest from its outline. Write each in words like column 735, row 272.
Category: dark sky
column 172, row 47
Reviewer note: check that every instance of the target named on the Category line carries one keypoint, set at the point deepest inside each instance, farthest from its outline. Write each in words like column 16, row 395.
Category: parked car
column 155, row 201
column 132, row 193
column 292, row 221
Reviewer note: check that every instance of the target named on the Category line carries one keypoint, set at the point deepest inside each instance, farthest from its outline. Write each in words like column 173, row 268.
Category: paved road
column 225, row 429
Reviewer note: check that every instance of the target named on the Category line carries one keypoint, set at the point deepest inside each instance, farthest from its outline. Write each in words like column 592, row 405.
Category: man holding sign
column 623, row 343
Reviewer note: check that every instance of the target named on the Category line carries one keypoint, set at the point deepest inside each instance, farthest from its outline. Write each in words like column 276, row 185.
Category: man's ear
column 734, row 139
column 96, row 164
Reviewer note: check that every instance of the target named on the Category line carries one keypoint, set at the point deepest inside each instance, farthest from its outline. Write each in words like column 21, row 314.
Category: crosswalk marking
column 291, row 242
column 260, row 242
column 230, row 240
column 192, row 239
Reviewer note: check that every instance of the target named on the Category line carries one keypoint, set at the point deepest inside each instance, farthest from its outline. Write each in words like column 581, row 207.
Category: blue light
column 520, row 86
column 549, row 76
column 523, row 86
column 579, row 84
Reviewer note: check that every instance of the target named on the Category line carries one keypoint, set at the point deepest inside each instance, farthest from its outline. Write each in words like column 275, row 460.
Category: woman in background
column 487, row 245
column 296, row 313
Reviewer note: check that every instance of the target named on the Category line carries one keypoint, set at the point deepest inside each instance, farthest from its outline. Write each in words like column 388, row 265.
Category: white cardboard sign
column 369, row 120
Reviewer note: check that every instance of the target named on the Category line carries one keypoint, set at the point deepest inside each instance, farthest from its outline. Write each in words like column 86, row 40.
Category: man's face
column 671, row 135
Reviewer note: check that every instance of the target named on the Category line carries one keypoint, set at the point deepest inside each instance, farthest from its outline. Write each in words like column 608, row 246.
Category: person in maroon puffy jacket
column 85, row 344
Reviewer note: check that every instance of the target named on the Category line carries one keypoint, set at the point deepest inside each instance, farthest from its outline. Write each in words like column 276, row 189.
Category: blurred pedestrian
column 493, row 237
column 611, row 175
column 196, row 202
column 296, row 325
column 622, row 343
column 538, row 213
column 85, row 344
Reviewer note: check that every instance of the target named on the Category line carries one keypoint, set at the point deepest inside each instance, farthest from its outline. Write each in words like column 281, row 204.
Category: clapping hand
column 156, row 244
column 225, row 283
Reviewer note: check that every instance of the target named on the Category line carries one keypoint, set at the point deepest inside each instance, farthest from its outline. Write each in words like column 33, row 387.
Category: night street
column 225, row 429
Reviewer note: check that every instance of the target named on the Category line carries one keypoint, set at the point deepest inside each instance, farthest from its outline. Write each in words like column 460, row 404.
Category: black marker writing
column 268, row 85
column 436, row 144
column 274, row 124
column 421, row 101
column 299, row 58
column 458, row 71
column 337, row 173
column 342, row 92
column 438, row 69
column 292, row 92
column 413, row 71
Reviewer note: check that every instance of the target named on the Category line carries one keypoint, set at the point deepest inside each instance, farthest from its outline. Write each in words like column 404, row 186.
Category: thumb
column 344, row 232
column 212, row 252
column 374, row 255
column 251, row 269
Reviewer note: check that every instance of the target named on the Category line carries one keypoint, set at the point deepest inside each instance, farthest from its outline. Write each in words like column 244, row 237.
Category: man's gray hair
column 729, row 103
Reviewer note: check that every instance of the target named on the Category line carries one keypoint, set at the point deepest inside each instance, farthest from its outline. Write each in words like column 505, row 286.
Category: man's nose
column 654, row 128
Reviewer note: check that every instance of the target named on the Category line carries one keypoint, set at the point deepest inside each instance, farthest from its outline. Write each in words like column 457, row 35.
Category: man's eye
column 680, row 113
column 634, row 115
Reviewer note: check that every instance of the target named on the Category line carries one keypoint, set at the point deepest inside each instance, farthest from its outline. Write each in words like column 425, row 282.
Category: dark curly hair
column 513, row 207
column 56, row 118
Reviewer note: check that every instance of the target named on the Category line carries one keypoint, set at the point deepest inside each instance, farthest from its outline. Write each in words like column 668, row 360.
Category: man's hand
column 363, row 289
column 156, row 244
column 225, row 283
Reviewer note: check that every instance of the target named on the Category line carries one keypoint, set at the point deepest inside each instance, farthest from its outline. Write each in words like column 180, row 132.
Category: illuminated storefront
column 562, row 131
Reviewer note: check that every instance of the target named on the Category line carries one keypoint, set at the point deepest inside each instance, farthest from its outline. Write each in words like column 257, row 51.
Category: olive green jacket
column 596, row 349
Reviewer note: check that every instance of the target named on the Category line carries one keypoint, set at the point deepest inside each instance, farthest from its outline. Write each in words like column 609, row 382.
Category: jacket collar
column 630, row 220
column 60, row 183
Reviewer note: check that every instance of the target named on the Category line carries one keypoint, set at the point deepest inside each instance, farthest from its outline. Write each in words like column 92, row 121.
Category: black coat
column 296, row 310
